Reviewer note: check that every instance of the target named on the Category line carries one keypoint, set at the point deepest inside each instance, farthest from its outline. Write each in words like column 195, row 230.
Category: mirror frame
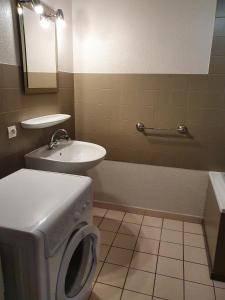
column 29, row 90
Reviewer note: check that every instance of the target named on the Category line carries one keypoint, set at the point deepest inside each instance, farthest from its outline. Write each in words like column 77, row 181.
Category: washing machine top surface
column 29, row 197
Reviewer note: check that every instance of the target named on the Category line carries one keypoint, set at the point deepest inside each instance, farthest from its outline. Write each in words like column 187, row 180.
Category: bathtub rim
column 218, row 183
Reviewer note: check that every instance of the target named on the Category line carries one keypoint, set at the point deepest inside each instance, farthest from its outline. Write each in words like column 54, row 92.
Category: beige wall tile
column 158, row 101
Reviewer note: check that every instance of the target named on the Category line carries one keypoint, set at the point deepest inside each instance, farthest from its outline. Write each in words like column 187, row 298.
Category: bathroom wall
column 15, row 106
column 143, row 37
column 109, row 105
column 152, row 172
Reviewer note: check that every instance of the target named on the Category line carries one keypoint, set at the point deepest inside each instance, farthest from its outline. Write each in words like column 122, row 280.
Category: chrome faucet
column 60, row 134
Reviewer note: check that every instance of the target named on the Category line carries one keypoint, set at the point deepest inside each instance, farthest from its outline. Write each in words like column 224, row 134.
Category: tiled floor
column 148, row 258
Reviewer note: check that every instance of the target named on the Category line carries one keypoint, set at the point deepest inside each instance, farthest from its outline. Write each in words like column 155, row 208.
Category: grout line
column 131, row 258
column 183, row 265
column 110, row 246
column 153, row 291
column 151, row 253
column 157, row 240
column 133, row 251
column 94, row 283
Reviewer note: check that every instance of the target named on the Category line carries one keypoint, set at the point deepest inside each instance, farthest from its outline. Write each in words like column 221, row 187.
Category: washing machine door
column 78, row 264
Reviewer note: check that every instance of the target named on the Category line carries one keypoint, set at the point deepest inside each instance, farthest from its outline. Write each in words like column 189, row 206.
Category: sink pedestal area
column 73, row 157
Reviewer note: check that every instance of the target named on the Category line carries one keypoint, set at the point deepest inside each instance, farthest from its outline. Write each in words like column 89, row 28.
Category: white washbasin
column 68, row 157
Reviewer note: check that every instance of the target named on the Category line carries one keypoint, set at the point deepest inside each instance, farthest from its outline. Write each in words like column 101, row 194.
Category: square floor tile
column 197, row 273
column 152, row 221
column 172, row 236
column 193, row 228
column 107, row 237
column 168, row 288
column 173, row 224
column 113, row 275
column 171, row 250
column 129, row 228
column 125, row 241
column 98, row 212
column 170, row 267
column 195, row 291
column 119, row 256
column 133, row 218
column 150, row 232
column 97, row 220
column 104, row 249
column 98, row 268
column 144, row 262
column 128, row 295
column 220, row 294
column 197, row 255
column 103, row 292
column 115, row 215
column 147, row 246
column 194, row 240
column 110, row 225
column 219, row 284
column 139, row 281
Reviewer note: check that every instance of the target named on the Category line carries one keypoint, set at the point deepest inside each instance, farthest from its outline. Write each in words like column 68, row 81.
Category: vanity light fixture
column 19, row 9
column 60, row 17
column 37, row 6
column 39, row 9
column 44, row 21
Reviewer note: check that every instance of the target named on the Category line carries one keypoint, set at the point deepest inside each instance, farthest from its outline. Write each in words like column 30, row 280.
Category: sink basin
column 73, row 157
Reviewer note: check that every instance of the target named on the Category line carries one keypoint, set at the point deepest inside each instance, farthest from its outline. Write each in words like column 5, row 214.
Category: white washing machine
column 48, row 244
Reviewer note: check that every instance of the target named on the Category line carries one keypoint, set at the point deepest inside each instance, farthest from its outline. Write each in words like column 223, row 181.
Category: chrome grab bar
column 181, row 128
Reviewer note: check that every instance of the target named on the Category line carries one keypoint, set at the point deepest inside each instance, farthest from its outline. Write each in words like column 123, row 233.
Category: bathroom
column 112, row 161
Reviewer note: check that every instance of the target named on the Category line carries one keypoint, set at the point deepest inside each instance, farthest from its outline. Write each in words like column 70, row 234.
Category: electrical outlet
column 12, row 131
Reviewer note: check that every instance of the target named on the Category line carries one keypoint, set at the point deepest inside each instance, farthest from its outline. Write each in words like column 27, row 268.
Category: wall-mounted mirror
column 39, row 48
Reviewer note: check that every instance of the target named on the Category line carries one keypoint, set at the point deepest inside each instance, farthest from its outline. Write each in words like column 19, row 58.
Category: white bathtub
column 214, row 223
column 217, row 180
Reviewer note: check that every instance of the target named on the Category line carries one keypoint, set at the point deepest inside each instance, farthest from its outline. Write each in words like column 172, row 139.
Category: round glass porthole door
column 78, row 264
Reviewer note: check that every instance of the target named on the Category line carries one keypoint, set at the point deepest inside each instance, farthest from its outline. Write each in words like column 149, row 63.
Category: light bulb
column 39, row 9
column 44, row 22
column 60, row 22
column 60, row 18
column 20, row 10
